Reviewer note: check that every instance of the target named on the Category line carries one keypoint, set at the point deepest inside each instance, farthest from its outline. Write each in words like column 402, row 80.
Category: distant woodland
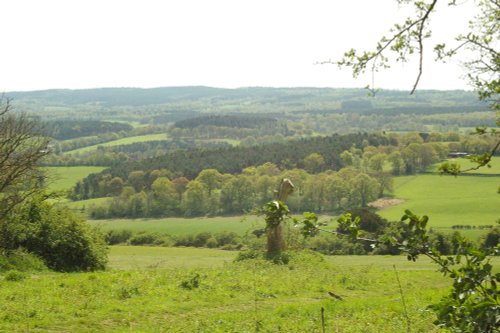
column 190, row 151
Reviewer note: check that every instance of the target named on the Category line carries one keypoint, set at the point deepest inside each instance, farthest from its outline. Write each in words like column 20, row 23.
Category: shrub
column 369, row 221
column 114, row 237
column 145, row 238
column 21, row 260
column 191, row 283
column 335, row 246
column 184, row 240
column 211, row 243
column 14, row 275
column 55, row 234
column 226, row 237
column 201, row 239
column 491, row 239
column 249, row 254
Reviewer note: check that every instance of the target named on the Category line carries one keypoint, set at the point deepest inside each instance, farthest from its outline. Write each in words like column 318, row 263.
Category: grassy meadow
column 64, row 178
column 124, row 141
column 182, row 226
column 200, row 290
column 465, row 164
column 448, row 200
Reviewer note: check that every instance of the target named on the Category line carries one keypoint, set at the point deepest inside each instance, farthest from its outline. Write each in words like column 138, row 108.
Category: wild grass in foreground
column 247, row 296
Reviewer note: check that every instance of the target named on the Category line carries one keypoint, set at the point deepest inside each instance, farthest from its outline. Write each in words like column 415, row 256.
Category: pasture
column 201, row 290
column 183, row 226
column 447, row 200
column 119, row 142
column 465, row 164
column 494, row 168
column 64, row 178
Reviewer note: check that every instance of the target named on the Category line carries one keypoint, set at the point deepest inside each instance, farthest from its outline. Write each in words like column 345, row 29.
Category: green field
column 83, row 205
column 201, row 290
column 494, row 168
column 124, row 141
column 144, row 257
column 64, row 178
column 180, row 226
column 447, row 200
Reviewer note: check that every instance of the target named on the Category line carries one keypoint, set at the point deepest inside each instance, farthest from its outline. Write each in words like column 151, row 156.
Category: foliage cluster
column 56, row 235
column 21, row 260
column 212, row 193
column 224, row 240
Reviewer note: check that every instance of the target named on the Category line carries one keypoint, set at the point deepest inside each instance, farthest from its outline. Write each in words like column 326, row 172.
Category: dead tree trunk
column 275, row 215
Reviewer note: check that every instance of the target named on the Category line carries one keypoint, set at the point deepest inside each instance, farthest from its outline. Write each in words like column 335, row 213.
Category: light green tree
column 364, row 189
column 165, row 200
column 314, row 163
column 195, row 199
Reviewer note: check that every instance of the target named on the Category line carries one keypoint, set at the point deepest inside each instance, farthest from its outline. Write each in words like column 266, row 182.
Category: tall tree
column 22, row 146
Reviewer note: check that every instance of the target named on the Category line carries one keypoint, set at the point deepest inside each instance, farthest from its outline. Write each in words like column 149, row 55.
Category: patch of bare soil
column 385, row 202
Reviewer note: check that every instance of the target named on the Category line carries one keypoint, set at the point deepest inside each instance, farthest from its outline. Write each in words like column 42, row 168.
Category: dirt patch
column 384, row 203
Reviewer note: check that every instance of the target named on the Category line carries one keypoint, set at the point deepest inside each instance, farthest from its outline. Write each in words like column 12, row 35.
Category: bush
column 226, row 237
column 441, row 242
column 191, row 283
column 114, row 237
column 249, row 254
column 14, row 275
column 201, row 239
column 332, row 245
column 55, row 234
column 184, row 240
column 21, row 260
column 145, row 238
column 491, row 239
column 211, row 243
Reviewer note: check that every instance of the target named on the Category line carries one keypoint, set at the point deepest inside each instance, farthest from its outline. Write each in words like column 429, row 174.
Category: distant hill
column 284, row 96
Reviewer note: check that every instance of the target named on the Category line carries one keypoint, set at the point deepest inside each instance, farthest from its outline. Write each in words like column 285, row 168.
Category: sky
column 221, row 43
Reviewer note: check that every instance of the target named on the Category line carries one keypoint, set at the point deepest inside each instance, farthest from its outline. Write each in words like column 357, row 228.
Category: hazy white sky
column 222, row 43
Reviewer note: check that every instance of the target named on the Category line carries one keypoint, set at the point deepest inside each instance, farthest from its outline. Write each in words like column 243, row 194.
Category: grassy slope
column 466, row 164
column 447, row 200
column 64, row 178
column 231, row 297
column 178, row 226
column 124, row 141
column 83, row 205
column 494, row 169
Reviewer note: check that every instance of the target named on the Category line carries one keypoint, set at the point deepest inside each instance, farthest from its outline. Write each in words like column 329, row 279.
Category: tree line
column 212, row 193
column 70, row 129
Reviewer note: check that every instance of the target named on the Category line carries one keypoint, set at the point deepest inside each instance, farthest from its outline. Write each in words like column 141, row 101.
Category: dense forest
column 70, row 129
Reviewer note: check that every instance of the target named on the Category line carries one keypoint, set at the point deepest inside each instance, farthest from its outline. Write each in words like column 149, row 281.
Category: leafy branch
column 406, row 39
